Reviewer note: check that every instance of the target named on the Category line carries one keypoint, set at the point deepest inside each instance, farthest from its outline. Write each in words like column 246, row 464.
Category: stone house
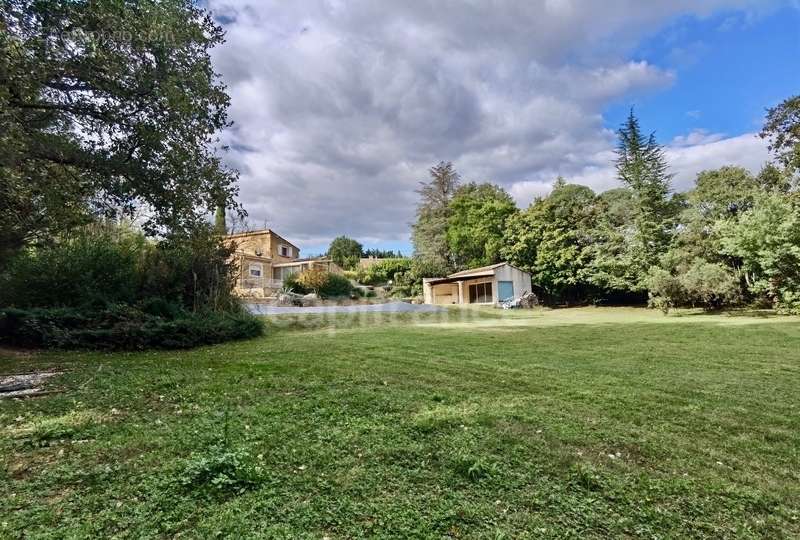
column 263, row 259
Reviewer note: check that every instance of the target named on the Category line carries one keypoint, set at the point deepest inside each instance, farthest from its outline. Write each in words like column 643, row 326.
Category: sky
column 341, row 107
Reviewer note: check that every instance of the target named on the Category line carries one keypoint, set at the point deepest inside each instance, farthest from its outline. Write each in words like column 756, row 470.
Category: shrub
column 94, row 264
column 103, row 264
column 326, row 284
column 711, row 286
column 291, row 283
column 383, row 271
column 122, row 327
column 703, row 284
column 665, row 290
column 313, row 279
column 336, row 285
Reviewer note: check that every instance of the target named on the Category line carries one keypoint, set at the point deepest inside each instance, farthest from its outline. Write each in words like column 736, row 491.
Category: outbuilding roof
column 477, row 272
column 483, row 271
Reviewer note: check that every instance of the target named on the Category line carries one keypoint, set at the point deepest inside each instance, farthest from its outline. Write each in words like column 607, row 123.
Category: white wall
column 521, row 280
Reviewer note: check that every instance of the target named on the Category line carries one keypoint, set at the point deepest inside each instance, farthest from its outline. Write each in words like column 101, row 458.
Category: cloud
column 696, row 137
column 748, row 151
column 341, row 107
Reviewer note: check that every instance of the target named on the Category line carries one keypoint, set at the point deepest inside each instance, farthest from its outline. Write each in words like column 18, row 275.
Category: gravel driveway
column 392, row 307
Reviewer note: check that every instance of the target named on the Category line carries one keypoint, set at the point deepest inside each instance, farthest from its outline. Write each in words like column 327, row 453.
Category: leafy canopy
column 476, row 224
column 345, row 252
column 108, row 108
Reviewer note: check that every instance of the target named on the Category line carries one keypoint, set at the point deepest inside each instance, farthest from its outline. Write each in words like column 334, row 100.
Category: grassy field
column 569, row 423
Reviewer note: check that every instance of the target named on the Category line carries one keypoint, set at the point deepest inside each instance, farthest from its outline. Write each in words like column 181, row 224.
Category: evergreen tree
column 642, row 166
column 220, row 225
column 429, row 234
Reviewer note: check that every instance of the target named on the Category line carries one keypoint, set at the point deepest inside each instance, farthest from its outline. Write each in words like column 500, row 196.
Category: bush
column 711, row 286
column 292, row 283
column 313, row 279
column 123, row 327
column 336, row 285
column 383, row 271
column 95, row 264
column 102, row 264
column 665, row 290
column 107, row 287
column 326, row 284
column 703, row 284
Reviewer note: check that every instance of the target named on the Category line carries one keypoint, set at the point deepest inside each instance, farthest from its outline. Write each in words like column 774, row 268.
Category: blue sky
column 340, row 108
column 728, row 69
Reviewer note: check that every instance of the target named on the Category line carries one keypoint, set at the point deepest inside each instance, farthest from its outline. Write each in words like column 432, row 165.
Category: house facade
column 263, row 259
column 485, row 285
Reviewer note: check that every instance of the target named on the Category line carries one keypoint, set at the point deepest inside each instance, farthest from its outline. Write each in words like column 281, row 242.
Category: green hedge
column 122, row 327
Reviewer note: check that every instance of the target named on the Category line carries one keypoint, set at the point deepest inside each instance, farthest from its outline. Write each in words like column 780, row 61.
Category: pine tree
column 642, row 166
column 429, row 233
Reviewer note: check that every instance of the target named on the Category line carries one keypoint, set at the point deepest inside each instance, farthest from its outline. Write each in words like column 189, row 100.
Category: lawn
column 567, row 423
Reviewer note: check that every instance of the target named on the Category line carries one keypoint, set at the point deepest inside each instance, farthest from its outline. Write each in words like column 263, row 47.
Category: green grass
column 568, row 423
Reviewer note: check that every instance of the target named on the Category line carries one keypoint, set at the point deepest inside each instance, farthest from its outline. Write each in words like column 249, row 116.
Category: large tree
column 108, row 107
column 475, row 227
column 766, row 239
column 429, row 234
column 782, row 130
column 613, row 267
column 642, row 166
column 552, row 239
column 345, row 252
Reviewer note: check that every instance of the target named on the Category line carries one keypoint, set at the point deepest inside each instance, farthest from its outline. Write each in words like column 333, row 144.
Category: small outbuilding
column 485, row 285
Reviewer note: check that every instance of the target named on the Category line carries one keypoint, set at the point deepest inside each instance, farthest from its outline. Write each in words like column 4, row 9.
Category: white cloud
column 341, row 107
column 748, row 151
column 695, row 137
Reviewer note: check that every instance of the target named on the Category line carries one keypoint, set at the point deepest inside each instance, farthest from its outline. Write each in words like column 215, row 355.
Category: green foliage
column 766, row 241
column 292, row 283
column 106, row 286
column 703, row 284
column 122, row 327
column 106, row 107
column 220, row 471
column 429, row 232
column 476, row 224
column 93, row 264
column 336, row 285
column 313, row 279
column 552, row 239
column 319, row 281
column 108, row 264
column 474, row 468
column 782, row 130
column 711, row 286
column 613, row 269
column 642, row 167
column 383, row 253
column 382, row 272
column 345, row 252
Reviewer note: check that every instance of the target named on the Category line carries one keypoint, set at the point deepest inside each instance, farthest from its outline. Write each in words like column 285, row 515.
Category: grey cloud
column 341, row 107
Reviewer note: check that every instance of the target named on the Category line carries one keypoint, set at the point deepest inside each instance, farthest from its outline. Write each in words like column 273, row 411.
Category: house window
column 480, row 293
column 255, row 270
column 284, row 251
